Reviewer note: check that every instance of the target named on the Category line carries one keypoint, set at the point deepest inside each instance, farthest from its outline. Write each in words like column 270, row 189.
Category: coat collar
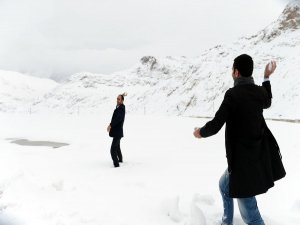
column 243, row 80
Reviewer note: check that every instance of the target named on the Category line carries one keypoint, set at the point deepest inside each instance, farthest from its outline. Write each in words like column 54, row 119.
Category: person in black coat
column 253, row 156
column 115, row 129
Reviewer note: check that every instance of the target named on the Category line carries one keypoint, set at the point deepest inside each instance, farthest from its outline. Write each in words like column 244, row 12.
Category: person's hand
column 108, row 128
column 197, row 132
column 270, row 68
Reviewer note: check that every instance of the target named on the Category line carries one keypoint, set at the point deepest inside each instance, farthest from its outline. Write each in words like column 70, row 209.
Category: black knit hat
column 244, row 64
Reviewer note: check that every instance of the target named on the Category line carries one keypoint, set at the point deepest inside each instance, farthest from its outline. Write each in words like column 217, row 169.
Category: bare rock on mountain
column 149, row 61
column 289, row 20
column 291, row 17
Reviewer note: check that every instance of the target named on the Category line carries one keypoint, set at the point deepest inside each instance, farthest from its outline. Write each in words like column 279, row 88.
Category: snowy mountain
column 18, row 91
column 189, row 86
column 288, row 21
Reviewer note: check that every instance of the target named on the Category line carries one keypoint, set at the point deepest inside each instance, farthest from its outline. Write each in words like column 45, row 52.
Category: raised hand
column 270, row 68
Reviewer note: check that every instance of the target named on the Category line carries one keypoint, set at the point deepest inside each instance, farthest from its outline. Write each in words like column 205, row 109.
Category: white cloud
column 61, row 37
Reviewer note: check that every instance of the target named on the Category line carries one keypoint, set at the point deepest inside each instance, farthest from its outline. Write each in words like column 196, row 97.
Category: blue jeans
column 247, row 206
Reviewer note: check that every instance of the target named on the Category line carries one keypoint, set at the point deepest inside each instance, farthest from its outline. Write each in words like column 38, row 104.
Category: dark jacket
column 117, row 122
column 253, row 156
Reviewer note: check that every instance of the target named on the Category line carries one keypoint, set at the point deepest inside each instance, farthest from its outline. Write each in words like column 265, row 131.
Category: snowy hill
column 190, row 86
column 289, row 21
column 19, row 91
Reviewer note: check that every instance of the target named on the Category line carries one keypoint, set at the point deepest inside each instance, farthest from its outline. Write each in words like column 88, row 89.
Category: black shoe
column 117, row 165
column 120, row 161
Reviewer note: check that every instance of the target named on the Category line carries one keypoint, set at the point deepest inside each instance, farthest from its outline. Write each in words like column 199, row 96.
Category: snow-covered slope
column 190, row 86
column 19, row 91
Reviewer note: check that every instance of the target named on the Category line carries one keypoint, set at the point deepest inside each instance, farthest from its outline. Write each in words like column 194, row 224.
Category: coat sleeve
column 267, row 94
column 118, row 118
column 227, row 107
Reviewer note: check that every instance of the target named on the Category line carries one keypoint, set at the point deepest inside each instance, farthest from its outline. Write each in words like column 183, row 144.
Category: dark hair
column 123, row 95
column 244, row 64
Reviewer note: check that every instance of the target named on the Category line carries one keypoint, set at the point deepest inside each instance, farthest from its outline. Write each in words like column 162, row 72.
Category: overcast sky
column 61, row 37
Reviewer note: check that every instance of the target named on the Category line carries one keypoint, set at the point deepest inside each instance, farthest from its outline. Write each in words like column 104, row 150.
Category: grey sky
column 61, row 37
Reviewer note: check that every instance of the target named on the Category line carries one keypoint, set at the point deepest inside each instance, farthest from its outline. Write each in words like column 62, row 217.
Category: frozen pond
column 26, row 142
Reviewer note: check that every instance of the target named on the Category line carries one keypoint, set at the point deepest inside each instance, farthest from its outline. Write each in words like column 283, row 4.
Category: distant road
column 281, row 120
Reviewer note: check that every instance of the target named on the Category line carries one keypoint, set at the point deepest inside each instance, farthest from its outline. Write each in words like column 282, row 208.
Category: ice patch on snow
column 25, row 142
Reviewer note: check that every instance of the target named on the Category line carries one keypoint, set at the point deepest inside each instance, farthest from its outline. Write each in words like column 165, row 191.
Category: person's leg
column 227, row 218
column 113, row 151
column 249, row 211
column 119, row 153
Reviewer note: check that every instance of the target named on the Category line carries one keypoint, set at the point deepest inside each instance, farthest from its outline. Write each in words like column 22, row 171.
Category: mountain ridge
column 189, row 86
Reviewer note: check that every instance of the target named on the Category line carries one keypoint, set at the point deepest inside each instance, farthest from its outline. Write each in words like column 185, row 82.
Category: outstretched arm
column 212, row 127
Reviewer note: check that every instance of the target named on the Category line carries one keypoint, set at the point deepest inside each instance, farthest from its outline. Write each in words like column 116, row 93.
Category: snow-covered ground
column 168, row 177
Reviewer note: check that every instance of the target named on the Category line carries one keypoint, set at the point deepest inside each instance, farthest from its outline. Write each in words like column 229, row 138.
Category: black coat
column 253, row 156
column 117, row 122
